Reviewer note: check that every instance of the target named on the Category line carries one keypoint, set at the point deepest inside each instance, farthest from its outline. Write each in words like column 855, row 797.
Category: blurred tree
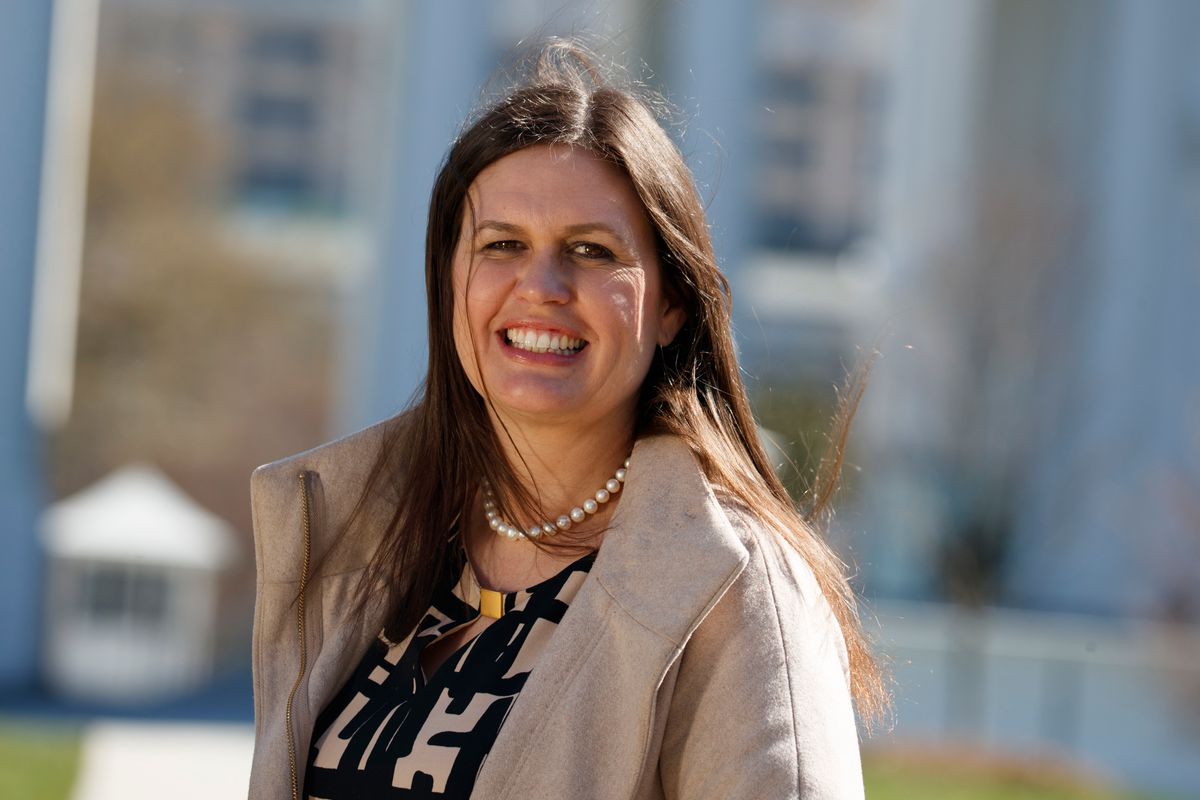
column 797, row 419
column 808, row 428
column 191, row 355
column 1000, row 291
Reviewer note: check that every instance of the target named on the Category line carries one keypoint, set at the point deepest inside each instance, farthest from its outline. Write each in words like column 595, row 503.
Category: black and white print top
column 392, row 732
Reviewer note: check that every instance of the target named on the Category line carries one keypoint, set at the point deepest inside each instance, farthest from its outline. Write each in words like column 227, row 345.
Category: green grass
column 966, row 775
column 37, row 761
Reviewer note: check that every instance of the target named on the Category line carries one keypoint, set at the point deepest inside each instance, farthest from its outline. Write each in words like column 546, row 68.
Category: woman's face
column 559, row 302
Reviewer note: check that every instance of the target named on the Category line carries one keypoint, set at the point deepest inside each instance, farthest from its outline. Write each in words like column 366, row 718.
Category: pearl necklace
column 563, row 522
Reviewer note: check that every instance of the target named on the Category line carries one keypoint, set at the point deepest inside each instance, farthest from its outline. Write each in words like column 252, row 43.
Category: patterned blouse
column 393, row 732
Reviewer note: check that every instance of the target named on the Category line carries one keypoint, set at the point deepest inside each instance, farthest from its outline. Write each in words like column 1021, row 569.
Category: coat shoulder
column 352, row 452
column 767, row 667
column 342, row 468
column 782, row 575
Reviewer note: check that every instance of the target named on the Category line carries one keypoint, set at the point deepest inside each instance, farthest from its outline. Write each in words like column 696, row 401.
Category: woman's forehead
column 561, row 186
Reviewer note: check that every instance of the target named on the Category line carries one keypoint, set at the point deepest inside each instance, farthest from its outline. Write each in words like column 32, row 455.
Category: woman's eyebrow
column 597, row 227
column 496, row 225
column 570, row 230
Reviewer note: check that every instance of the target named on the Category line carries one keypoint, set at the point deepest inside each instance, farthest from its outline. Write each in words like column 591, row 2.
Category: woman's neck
column 560, row 468
column 560, row 471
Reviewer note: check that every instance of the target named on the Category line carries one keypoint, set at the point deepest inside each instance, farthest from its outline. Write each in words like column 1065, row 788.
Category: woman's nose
column 543, row 278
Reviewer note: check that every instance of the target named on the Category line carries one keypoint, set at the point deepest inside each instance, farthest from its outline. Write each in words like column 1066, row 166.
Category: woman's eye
column 592, row 250
column 503, row 246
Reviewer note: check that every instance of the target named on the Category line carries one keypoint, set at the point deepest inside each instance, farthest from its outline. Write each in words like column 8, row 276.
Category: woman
column 588, row 579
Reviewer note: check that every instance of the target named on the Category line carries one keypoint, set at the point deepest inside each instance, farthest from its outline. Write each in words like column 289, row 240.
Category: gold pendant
column 491, row 603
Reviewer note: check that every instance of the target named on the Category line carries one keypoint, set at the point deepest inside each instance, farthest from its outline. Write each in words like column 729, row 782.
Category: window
column 819, row 116
column 301, row 46
column 265, row 111
column 121, row 594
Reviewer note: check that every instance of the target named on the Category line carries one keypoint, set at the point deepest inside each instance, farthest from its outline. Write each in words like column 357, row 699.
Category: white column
column 62, row 212
column 709, row 68
column 926, row 209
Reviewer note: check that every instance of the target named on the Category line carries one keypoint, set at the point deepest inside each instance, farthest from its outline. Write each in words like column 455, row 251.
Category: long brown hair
column 693, row 389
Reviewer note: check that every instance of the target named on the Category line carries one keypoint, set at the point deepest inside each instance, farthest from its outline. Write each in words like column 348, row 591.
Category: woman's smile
column 540, row 340
column 535, row 340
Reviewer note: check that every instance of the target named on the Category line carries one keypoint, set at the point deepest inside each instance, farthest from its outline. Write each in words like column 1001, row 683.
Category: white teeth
column 543, row 342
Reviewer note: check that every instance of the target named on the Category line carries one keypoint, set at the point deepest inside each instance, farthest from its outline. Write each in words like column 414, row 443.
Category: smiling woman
column 569, row 569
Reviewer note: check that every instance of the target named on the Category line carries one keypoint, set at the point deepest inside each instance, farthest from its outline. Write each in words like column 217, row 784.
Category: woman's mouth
column 535, row 341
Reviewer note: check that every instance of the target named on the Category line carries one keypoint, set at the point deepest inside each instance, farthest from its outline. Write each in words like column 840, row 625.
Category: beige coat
column 698, row 660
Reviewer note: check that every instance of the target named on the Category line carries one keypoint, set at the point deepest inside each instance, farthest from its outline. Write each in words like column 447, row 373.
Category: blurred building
column 277, row 89
column 818, row 118
column 291, row 95
column 138, row 602
column 808, row 276
column 1040, row 437
column 277, row 81
column 1029, row 439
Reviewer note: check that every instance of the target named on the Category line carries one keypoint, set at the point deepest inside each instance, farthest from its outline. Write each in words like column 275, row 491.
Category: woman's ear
column 671, row 317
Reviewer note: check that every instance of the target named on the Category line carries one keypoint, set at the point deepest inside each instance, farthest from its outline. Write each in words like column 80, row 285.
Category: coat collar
column 669, row 547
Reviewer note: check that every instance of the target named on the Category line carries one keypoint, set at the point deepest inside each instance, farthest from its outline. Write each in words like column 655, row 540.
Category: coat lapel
column 669, row 555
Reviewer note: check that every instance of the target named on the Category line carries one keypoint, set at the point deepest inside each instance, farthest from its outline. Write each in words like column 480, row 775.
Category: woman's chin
column 541, row 413
column 546, row 407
